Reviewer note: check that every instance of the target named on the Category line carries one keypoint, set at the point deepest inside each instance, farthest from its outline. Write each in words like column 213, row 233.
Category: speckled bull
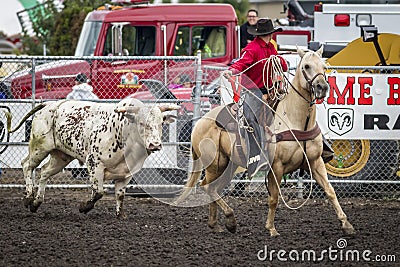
column 112, row 139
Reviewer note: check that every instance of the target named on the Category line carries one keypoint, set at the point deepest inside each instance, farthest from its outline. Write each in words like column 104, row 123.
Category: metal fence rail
column 26, row 81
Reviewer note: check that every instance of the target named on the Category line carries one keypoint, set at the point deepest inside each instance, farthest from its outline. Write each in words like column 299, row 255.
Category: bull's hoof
column 121, row 215
column 34, row 206
column 28, row 202
column 230, row 223
column 85, row 207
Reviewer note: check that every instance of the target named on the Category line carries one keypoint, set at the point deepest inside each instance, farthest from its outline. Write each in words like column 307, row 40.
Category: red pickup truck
column 138, row 29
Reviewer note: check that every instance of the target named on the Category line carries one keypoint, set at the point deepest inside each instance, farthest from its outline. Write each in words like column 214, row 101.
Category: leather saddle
column 227, row 121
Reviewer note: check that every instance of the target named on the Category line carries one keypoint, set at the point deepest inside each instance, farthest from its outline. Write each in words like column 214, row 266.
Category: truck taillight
column 342, row 20
column 318, row 7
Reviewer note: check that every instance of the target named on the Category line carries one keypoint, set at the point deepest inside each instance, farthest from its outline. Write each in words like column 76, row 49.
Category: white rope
column 305, row 156
column 273, row 63
column 279, row 87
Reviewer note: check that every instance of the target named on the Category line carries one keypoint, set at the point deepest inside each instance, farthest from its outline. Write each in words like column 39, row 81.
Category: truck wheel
column 350, row 157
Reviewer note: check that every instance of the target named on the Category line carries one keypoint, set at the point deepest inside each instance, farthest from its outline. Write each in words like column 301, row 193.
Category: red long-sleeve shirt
column 252, row 53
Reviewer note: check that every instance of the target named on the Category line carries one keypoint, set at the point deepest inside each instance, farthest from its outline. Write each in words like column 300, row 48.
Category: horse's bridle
column 310, row 85
column 310, row 81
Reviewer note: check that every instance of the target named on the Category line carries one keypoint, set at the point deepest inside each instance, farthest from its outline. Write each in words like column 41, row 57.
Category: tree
column 58, row 29
column 240, row 7
column 42, row 18
column 68, row 26
column 67, row 30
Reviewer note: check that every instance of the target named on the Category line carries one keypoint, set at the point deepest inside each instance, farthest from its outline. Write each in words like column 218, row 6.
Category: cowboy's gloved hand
column 227, row 73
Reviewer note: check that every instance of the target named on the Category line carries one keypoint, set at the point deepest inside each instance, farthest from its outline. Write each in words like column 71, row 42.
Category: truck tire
column 375, row 160
column 350, row 157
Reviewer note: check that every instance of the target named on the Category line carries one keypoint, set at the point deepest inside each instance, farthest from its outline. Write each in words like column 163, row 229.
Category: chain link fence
column 360, row 168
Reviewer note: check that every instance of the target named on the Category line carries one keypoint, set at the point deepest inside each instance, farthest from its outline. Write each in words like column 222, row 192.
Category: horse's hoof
column 231, row 228
column 274, row 233
column 349, row 231
column 230, row 224
column 85, row 207
column 348, row 228
column 217, row 229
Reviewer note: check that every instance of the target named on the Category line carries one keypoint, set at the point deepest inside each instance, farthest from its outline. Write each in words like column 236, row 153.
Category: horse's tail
column 30, row 113
column 193, row 179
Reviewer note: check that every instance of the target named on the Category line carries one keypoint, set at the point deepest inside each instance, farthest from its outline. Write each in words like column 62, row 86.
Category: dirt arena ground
column 156, row 234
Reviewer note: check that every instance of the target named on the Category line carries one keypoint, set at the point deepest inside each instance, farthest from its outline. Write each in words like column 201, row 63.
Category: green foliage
column 42, row 19
column 68, row 26
column 58, row 30
column 240, row 7
column 66, row 31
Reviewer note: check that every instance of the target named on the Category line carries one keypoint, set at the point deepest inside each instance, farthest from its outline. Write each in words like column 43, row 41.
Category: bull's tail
column 193, row 179
column 29, row 114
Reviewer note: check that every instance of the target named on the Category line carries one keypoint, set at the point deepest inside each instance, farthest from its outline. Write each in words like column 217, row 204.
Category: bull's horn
column 169, row 107
column 128, row 109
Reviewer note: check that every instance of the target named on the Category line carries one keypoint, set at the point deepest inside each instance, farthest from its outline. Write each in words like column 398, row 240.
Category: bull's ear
column 169, row 107
column 169, row 118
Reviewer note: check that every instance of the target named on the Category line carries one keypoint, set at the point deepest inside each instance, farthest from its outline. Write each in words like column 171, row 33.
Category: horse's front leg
column 274, row 181
column 321, row 176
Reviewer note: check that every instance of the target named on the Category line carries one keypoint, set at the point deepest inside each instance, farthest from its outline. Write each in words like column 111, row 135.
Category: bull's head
column 149, row 121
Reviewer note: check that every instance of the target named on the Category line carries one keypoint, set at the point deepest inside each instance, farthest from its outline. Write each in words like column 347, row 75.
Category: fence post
column 197, row 90
column 33, row 72
column 300, row 186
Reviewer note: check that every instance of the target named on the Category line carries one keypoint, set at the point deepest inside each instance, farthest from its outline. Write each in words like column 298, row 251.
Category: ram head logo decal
column 340, row 120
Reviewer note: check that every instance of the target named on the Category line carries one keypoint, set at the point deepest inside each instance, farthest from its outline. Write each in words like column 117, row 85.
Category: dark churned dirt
column 156, row 234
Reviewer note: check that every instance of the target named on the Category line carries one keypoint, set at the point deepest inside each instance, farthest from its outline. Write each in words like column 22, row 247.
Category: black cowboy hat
column 263, row 27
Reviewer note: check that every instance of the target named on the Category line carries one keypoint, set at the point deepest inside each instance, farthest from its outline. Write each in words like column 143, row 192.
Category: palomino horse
column 213, row 148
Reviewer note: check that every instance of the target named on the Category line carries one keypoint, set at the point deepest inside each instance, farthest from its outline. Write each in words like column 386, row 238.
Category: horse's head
column 311, row 71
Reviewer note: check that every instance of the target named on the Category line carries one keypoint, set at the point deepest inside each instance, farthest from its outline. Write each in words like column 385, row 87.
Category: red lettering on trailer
column 394, row 91
column 341, row 98
column 365, row 90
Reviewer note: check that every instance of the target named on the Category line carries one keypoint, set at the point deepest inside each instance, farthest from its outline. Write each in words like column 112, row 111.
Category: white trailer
column 335, row 25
